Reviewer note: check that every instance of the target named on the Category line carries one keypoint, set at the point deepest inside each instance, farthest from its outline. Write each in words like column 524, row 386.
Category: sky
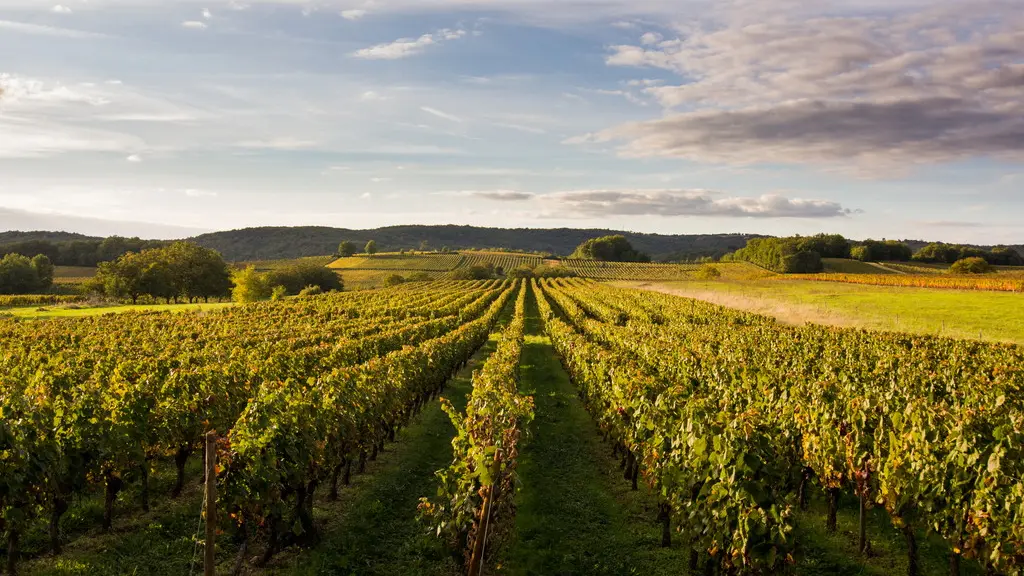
column 165, row 118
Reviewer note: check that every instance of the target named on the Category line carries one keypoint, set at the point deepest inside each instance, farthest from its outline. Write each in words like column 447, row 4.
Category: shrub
column 278, row 293
column 419, row 277
column 610, row 249
column 521, row 272
column 708, row 272
column 250, row 286
column 473, row 273
column 972, row 265
column 310, row 291
column 394, row 280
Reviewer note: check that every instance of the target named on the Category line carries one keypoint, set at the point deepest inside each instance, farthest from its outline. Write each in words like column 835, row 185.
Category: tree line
column 81, row 252
column 20, row 274
column 803, row 254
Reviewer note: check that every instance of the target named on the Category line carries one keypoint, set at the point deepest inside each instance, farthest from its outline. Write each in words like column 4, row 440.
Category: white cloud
column 440, row 114
column 353, row 14
column 194, row 193
column 651, row 38
column 194, row 25
column 207, row 14
column 606, row 203
column 406, row 47
column 135, row 158
column 372, row 96
column 282, row 143
column 60, row 9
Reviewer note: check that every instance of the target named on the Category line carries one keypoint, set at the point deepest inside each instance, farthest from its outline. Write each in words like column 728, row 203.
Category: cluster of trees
column 542, row 271
column 178, row 271
column 971, row 265
column 20, row 274
column 609, row 249
column 478, row 272
column 348, row 248
column 950, row 253
column 881, row 251
column 302, row 279
column 81, row 252
column 782, row 255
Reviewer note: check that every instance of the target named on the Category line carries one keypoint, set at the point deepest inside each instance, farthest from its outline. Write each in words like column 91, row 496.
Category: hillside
column 13, row 236
column 282, row 242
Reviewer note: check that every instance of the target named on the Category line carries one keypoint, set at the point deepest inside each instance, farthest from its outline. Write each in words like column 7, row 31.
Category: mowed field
column 972, row 314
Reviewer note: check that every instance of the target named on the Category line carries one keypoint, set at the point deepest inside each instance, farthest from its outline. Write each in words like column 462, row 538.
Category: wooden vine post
column 476, row 561
column 209, row 560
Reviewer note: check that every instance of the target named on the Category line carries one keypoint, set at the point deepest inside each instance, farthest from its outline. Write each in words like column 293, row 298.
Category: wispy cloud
column 353, row 14
column 42, row 30
column 60, row 9
column 194, row 25
column 499, row 195
column 406, row 47
column 440, row 114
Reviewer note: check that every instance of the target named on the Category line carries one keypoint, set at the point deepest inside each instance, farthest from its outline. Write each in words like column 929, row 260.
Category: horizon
column 172, row 119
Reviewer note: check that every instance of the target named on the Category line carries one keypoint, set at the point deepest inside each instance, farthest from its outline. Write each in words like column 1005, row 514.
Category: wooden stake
column 209, row 562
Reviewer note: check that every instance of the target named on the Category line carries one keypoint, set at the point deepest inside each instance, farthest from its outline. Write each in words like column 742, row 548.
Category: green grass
column 73, row 311
column 575, row 513
column 976, row 314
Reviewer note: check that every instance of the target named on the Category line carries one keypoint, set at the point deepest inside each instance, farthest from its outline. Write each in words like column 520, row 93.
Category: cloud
column 406, row 47
column 16, row 219
column 41, row 30
column 21, row 92
column 951, row 224
column 134, row 158
column 194, row 25
column 880, row 92
column 194, row 193
column 519, row 127
column 440, row 114
column 651, row 38
column 884, row 136
column 60, row 9
column 207, row 14
column 39, row 138
column 499, row 195
column 283, row 143
column 353, row 14
column 605, row 203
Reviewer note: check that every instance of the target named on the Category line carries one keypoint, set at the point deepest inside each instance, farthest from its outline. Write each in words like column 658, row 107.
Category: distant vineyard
column 300, row 390
column 19, row 300
column 731, row 417
column 412, row 262
column 629, row 270
column 507, row 262
column 997, row 282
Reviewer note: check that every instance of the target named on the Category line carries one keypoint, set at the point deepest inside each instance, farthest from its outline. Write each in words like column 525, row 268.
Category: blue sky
column 890, row 119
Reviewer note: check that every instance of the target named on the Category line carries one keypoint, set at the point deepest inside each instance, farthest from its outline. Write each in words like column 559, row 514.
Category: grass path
column 372, row 528
column 575, row 515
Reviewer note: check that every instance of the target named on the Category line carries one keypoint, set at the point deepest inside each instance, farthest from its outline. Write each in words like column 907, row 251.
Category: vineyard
column 299, row 393
column 732, row 418
column 727, row 428
column 1002, row 282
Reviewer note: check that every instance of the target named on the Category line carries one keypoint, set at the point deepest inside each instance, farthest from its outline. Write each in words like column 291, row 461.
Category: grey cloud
column 921, row 85
column 598, row 203
column 883, row 135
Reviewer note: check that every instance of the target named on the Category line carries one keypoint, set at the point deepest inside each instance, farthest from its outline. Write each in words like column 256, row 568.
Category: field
column 72, row 274
column 364, row 271
column 990, row 316
column 724, row 441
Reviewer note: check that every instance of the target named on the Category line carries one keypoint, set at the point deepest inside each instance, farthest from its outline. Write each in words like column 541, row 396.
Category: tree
column 521, row 272
column 424, row 246
column 18, row 275
column 881, row 251
column 371, row 247
column 181, row 270
column 346, row 249
column 298, row 276
column 972, row 265
column 44, row 271
column 782, row 255
column 250, row 286
column 609, row 249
